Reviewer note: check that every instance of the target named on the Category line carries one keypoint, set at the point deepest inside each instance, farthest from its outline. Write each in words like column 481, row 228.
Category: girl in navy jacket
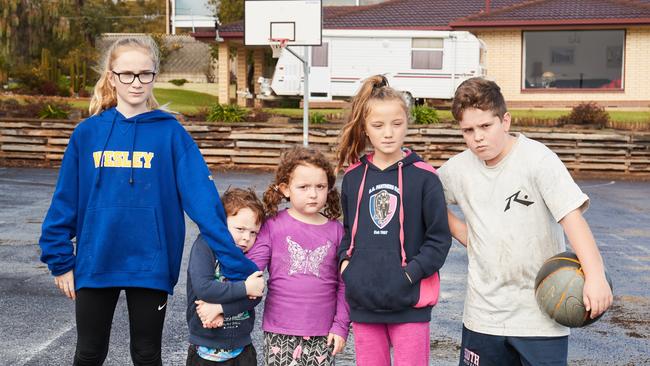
column 396, row 231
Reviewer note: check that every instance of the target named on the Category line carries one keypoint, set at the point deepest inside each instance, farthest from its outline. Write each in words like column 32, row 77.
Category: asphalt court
column 37, row 322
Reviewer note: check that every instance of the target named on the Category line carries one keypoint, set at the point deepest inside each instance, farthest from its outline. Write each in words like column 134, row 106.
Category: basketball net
column 277, row 44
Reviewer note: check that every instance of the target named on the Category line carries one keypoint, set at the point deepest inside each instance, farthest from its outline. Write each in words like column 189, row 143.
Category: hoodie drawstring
column 356, row 215
column 101, row 157
column 401, row 212
column 135, row 128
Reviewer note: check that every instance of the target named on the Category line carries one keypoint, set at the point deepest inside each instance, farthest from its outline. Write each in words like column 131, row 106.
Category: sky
column 193, row 7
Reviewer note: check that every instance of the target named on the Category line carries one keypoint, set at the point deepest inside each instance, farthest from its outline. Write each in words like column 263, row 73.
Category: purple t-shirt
column 306, row 295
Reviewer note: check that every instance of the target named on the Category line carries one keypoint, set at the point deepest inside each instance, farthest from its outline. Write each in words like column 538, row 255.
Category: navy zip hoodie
column 238, row 309
column 122, row 189
column 395, row 223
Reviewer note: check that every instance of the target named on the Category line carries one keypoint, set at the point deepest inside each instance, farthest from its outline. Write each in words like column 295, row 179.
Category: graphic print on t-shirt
column 382, row 207
column 520, row 197
column 306, row 260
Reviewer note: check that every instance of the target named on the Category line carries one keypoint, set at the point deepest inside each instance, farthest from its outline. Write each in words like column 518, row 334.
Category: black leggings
column 94, row 309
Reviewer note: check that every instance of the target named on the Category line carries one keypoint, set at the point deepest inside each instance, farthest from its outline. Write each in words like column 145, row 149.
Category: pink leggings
column 410, row 342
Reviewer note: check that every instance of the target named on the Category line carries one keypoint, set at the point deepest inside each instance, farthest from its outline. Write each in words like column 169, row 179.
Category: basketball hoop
column 277, row 44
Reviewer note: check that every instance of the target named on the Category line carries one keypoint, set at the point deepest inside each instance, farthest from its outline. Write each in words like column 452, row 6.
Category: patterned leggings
column 287, row 350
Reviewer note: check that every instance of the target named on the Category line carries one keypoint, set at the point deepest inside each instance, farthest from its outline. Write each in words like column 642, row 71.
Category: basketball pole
column 305, row 99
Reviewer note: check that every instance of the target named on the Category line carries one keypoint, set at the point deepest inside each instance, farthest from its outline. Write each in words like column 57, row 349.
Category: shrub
column 53, row 111
column 227, row 113
column 179, row 82
column 588, row 113
column 423, row 115
column 37, row 107
column 9, row 107
column 317, row 118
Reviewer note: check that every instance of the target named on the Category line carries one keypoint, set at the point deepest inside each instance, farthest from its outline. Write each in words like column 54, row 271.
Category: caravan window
column 319, row 55
column 573, row 59
column 426, row 53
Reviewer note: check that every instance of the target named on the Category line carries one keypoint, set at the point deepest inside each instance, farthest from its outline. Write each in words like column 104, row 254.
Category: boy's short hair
column 481, row 94
column 234, row 199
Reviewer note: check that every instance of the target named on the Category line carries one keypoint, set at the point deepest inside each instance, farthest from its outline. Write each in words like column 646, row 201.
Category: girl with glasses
column 128, row 174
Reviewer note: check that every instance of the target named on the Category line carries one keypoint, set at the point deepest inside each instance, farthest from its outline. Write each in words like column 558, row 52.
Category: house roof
column 236, row 29
column 561, row 13
column 455, row 14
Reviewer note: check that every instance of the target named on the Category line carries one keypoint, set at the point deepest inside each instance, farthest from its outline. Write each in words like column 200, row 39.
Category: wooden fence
column 599, row 153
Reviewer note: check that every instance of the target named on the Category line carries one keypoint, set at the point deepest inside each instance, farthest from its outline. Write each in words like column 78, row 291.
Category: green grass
column 297, row 112
column 184, row 101
column 619, row 116
column 538, row 113
column 190, row 102
column 445, row 115
column 630, row 116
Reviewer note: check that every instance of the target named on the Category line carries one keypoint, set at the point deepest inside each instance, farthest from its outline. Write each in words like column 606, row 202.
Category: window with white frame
column 426, row 53
column 319, row 55
column 573, row 59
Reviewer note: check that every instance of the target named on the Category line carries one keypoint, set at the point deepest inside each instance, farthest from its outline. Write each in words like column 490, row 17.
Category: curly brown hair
column 236, row 198
column 353, row 140
column 481, row 94
column 289, row 160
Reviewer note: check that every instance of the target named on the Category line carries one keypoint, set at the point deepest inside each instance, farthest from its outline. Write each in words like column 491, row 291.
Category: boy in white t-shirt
column 518, row 200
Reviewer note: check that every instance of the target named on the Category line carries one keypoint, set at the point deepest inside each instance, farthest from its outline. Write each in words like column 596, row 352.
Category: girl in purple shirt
column 306, row 317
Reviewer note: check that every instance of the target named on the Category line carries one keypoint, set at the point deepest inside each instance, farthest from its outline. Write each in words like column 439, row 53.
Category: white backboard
column 299, row 21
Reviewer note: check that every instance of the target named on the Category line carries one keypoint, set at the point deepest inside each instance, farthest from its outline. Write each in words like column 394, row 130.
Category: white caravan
column 423, row 64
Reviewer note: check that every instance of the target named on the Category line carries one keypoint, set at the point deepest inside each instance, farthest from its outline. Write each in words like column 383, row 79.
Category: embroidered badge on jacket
column 382, row 208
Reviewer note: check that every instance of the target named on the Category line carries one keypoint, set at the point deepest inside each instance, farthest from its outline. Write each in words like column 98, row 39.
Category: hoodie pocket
column 375, row 280
column 429, row 290
column 120, row 239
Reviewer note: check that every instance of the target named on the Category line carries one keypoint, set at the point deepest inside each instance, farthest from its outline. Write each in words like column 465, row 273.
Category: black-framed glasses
column 129, row 77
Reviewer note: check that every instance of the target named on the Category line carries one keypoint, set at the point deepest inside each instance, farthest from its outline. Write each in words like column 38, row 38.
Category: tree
column 27, row 25
column 228, row 11
column 54, row 40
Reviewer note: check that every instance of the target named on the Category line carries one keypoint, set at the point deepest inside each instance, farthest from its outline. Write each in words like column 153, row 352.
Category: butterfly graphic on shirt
column 306, row 260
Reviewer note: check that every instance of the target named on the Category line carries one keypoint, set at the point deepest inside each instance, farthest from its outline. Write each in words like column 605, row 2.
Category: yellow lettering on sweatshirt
column 147, row 160
column 97, row 156
column 109, row 161
column 123, row 159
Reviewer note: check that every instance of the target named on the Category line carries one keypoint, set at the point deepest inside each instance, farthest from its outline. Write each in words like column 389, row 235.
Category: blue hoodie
column 123, row 186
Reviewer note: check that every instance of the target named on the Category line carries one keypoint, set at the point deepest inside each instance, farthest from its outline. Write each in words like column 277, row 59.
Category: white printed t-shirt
column 512, row 212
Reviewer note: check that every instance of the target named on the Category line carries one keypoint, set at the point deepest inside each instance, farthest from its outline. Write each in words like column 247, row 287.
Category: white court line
column 631, row 257
column 600, row 185
column 643, row 249
column 617, row 237
column 39, row 349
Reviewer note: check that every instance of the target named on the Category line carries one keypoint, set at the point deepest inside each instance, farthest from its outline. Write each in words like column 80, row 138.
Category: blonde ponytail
column 352, row 142
column 104, row 95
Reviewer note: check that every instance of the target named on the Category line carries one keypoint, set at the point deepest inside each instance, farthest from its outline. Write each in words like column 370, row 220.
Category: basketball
column 558, row 289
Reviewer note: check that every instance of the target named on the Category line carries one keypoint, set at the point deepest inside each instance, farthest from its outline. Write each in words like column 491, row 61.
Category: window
column 319, row 55
column 590, row 59
column 426, row 53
